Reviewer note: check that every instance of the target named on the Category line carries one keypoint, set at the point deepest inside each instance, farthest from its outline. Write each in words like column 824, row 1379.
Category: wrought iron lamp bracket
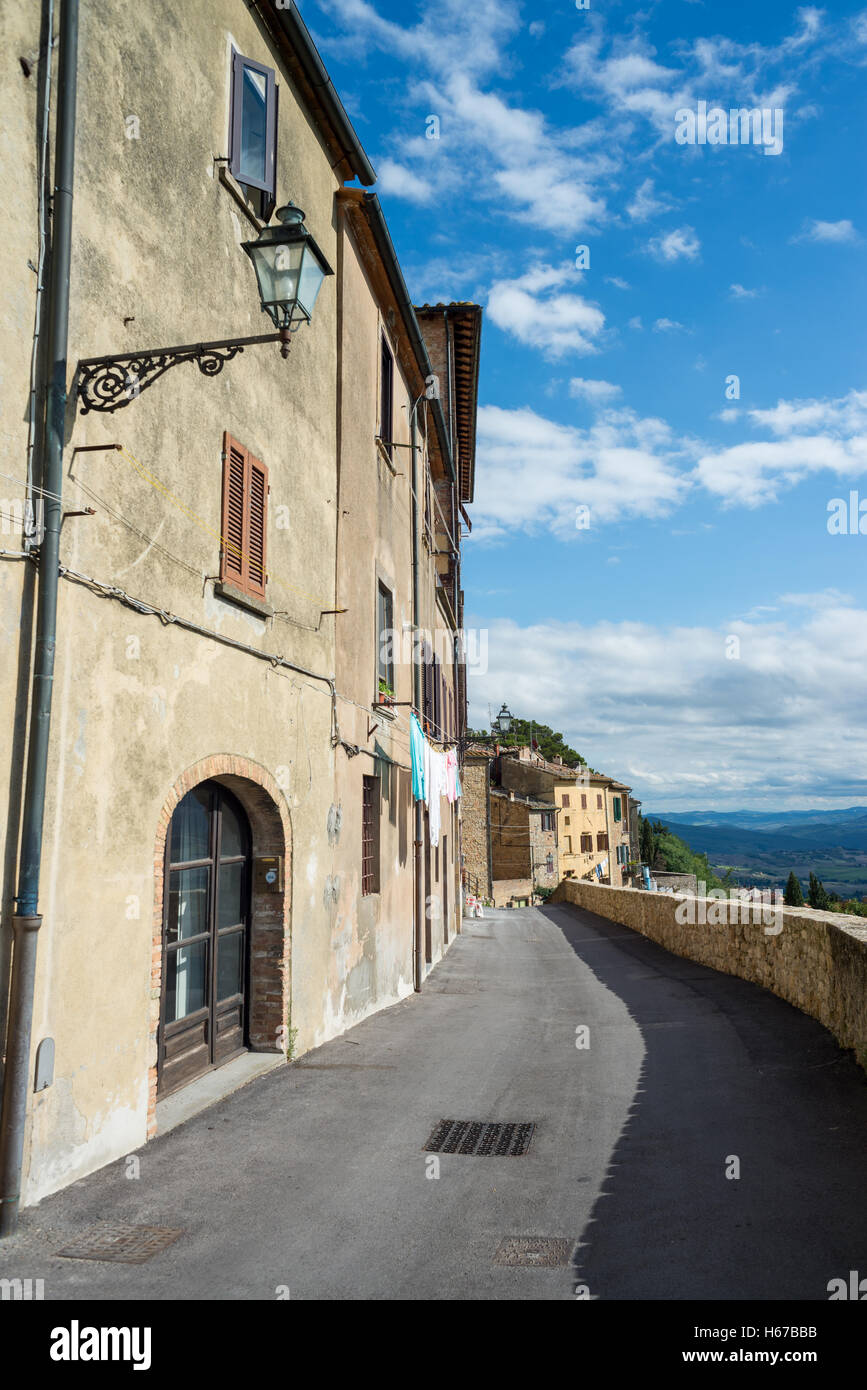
column 109, row 383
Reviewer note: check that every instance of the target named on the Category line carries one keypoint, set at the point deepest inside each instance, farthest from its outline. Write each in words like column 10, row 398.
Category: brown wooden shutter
column 232, row 530
column 245, row 519
column 256, row 575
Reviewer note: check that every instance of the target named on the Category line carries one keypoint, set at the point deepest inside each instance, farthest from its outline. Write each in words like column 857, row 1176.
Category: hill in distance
column 762, row 846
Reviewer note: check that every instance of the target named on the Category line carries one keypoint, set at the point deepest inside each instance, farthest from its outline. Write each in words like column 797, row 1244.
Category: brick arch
column 270, row 917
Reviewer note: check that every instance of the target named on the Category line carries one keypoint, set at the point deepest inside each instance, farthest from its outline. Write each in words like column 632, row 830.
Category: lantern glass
column 310, row 280
column 278, row 267
column 289, row 268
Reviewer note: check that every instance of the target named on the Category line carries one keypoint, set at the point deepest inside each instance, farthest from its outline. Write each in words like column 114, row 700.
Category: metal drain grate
column 121, row 1244
column 540, row 1252
column 483, row 1140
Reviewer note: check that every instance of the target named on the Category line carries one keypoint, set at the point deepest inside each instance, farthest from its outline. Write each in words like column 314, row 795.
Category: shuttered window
column 587, row 844
column 245, row 519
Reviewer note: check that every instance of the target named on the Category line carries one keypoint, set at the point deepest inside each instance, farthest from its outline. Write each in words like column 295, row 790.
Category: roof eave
column 309, row 71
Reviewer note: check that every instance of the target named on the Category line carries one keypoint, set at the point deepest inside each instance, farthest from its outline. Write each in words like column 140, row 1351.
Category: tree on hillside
column 646, row 845
column 817, row 896
column 545, row 739
column 652, row 835
column 794, row 895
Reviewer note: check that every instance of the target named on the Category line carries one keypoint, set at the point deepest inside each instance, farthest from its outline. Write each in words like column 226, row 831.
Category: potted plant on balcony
column 386, row 694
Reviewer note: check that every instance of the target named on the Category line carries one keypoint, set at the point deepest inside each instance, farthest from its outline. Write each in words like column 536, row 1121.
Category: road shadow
column 734, row 1079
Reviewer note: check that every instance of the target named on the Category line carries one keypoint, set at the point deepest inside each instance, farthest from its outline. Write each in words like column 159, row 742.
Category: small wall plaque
column 268, row 875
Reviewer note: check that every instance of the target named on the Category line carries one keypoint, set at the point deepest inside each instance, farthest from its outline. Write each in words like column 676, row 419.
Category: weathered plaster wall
column 138, row 701
column 373, row 935
column 817, row 961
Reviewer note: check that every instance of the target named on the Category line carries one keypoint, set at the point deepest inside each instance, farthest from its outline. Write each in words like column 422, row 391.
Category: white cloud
column 825, row 598
column 837, row 233
column 812, row 436
column 754, row 473
column 617, row 282
column 645, row 204
column 738, row 292
column 593, row 391
column 396, row 179
column 666, row 711
column 489, row 147
column 668, row 326
column 679, row 244
column 533, row 472
column 842, row 415
column 555, row 323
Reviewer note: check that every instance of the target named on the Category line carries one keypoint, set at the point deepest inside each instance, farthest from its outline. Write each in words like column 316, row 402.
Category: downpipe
column 26, row 920
column 418, row 839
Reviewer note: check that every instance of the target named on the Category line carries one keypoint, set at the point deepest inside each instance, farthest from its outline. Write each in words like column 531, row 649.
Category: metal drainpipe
column 608, row 837
column 26, row 921
column 416, row 694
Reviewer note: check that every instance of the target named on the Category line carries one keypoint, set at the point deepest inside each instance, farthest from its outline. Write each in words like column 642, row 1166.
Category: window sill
column 230, row 182
column 242, row 600
column 387, row 711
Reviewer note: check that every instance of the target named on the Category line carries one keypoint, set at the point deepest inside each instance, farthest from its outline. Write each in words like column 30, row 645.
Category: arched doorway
column 204, row 1006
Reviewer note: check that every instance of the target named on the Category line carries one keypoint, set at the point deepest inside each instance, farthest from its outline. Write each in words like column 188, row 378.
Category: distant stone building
column 523, row 838
column 476, row 821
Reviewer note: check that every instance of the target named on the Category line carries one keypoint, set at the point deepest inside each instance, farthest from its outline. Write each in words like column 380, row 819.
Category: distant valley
column 764, row 846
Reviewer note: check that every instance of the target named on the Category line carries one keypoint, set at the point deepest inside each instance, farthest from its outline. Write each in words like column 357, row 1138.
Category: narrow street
column 315, row 1177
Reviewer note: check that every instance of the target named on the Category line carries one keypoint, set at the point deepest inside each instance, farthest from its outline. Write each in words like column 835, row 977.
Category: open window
column 384, row 640
column 386, row 397
column 253, row 132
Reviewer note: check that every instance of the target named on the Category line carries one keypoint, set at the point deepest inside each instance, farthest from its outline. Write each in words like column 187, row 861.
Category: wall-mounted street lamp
column 289, row 269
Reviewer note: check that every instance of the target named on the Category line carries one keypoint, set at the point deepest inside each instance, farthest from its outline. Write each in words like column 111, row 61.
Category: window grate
column 369, row 836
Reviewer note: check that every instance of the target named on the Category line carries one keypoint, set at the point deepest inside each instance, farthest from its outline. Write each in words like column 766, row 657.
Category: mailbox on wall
column 268, row 874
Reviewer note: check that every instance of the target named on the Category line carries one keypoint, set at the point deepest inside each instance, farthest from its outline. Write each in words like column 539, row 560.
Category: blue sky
column 703, row 636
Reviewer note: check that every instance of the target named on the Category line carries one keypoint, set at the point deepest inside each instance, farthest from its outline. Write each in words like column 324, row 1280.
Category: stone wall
column 681, row 883
column 510, row 838
column 815, row 960
column 475, row 829
column 505, row 889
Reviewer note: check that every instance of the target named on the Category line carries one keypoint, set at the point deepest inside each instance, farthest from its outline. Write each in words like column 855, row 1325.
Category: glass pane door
column 205, row 930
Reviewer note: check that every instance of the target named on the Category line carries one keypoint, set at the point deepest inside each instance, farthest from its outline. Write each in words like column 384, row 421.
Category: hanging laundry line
column 434, row 774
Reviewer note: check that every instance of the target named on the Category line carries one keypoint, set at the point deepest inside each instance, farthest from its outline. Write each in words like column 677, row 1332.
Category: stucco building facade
column 228, row 862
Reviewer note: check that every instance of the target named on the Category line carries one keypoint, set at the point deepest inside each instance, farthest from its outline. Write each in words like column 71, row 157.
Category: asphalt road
column 314, row 1179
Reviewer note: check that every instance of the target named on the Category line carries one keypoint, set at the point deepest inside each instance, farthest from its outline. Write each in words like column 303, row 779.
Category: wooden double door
column 206, row 918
